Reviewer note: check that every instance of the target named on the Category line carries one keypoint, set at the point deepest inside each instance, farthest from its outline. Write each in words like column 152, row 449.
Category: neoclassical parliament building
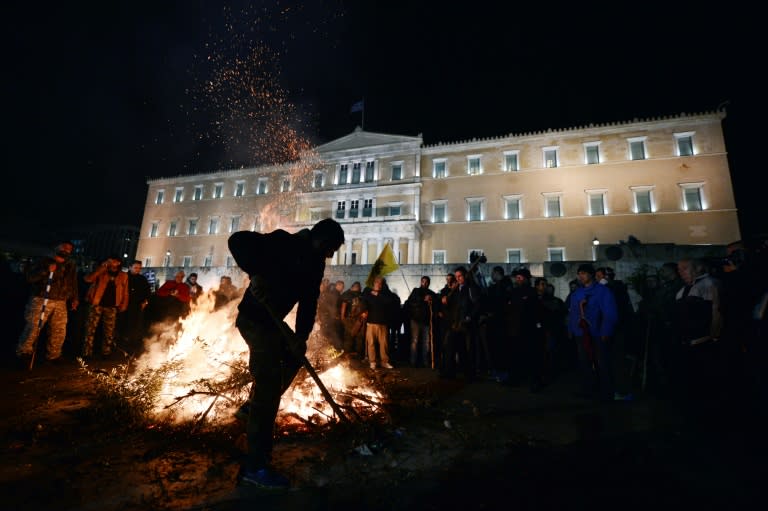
column 519, row 198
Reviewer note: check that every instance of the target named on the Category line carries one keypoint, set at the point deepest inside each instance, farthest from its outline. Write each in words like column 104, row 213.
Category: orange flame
column 205, row 348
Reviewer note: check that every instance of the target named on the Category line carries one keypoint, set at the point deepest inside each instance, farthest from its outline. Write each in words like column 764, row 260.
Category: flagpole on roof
column 362, row 121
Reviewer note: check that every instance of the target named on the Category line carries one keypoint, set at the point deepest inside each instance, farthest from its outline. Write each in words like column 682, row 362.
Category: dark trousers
column 273, row 369
column 597, row 377
column 458, row 343
column 535, row 356
column 130, row 324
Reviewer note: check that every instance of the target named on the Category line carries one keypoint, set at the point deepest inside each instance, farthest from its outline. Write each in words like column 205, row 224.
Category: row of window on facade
column 513, row 255
column 636, row 150
column 193, row 227
column 643, row 202
column 392, row 208
column 187, row 260
column 263, row 188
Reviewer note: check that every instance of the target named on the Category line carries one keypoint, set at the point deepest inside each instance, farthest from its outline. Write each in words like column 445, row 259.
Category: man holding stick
column 53, row 283
column 592, row 322
column 284, row 269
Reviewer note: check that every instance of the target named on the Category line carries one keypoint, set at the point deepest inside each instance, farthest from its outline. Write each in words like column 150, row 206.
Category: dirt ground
column 441, row 444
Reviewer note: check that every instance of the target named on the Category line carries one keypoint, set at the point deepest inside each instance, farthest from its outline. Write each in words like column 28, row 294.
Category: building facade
column 522, row 198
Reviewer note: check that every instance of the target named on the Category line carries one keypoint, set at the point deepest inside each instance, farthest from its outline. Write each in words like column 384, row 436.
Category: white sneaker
column 387, row 366
column 373, row 366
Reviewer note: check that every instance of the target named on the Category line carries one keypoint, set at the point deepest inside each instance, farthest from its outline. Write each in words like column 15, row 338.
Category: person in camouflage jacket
column 53, row 286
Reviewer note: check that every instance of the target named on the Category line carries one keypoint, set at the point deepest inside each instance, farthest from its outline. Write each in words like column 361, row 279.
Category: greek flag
column 357, row 107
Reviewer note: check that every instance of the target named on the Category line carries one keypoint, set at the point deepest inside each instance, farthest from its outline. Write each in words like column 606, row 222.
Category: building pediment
column 359, row 139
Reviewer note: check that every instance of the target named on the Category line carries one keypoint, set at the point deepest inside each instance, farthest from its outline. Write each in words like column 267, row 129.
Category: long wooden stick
column 42, row 317
column 645, row 354
column 305, row 362
column 431, row 337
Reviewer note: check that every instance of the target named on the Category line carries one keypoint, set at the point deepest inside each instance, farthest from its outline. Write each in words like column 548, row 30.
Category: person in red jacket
column 174, row 298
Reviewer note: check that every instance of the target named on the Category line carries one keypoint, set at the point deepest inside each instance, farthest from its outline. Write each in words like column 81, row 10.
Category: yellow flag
column 385, row 264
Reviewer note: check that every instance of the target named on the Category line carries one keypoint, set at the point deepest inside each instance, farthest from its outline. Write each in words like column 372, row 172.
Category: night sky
column 98, row 97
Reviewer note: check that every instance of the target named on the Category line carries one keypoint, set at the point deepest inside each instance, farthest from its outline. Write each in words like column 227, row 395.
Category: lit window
column 213, row 226
column 596, row 202
column 234, row 224
column 514, row 255
column 511, row 163
column 438, row 169
column 179, row 195
column 355, row 173
column 160, row 197
column 512, row 207
column 368, row 207
column 239, row 188
column 438, row 257
column 343, row 174
column 369, row 171
column 261, row 188
column 153, row 230
column 552, row 205
column 397, row 171
column 147, row 262
column 474, row 210
column 167, row 260
column 693, row 199
column 285, row 186
column 319, row 180
column 187, row 261
column 354, row 208
column 438, row 212
column 218, row 191
column 230, row 262
column 684, row 143
column 643, row 198
column 395, row 209
column 556, row 254
column 198, row 193
column 592, row 153
column 637, row 148
column 473, row 254
column 341, row 207
column 208, row 261
column 473, row 165
column 172, row 229
column 551, row 157
column 192, row 230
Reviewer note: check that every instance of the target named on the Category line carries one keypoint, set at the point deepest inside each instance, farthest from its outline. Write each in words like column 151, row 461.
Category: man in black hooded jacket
column 284, row 269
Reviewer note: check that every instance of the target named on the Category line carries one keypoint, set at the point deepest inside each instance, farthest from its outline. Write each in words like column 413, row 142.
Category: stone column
column 379, row 246
column 364, row 252
column 411, row 251
column 348, row 247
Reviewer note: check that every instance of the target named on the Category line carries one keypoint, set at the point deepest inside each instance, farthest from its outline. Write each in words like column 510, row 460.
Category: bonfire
column 198, row 369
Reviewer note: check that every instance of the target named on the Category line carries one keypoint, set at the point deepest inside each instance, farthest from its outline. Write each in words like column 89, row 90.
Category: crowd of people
column 696, row 332
column 92, row 314
column 695, row 328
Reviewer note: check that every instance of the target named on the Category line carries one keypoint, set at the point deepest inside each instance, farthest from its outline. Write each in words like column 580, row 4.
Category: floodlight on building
column 595, row 241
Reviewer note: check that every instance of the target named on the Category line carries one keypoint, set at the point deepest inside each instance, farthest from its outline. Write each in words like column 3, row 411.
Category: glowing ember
column 203, row 358
column 209, row 377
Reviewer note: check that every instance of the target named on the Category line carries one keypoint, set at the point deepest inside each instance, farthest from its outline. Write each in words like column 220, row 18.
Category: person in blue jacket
column 592, row 320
